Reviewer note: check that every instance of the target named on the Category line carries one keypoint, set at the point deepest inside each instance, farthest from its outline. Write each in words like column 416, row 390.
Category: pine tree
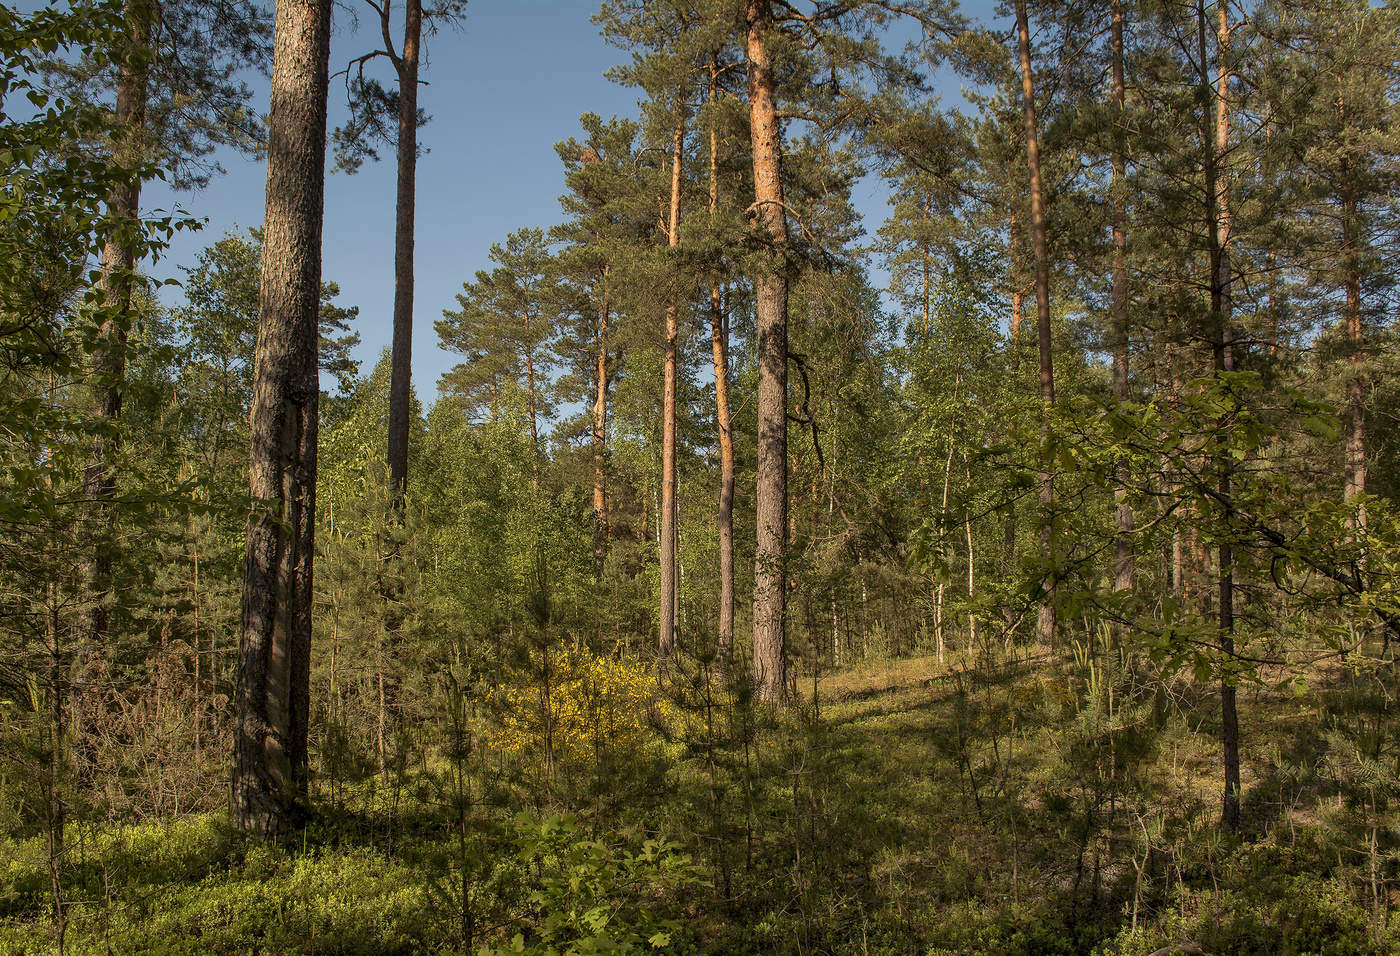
column 1045, row 619
column 606, row 216
column 770, row 557
column 1336, row 141
column 507, row 319
column 172, row 79
column 274, row 656
column 380, row 115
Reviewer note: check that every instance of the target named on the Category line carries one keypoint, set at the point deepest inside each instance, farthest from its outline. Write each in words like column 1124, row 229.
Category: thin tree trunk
column 401, row 361
column 926, row 267
column 1218, row 236
column 600, row 435
column 719, row 341
column 273, row 695
column 1045, row 618
column 1013, row 259
column 943, row 517
column 1355, row 472
column 971, row 565
column 719, row 344
column 1230, row 728
column 194, row 628
column 943, row 520
column 1123, row 511
column 534, row 413
column 54, row 806
column 771, row 308
column 668, row 533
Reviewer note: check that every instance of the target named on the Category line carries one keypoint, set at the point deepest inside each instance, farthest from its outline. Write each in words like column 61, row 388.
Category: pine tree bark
column 1217, row 183
column 401, row 360
column 1013, row 259
column 1045, row 617
column 405, row 63
column 771, row 310
column 273, row 693
column 1122, row 511
column 668, row 532
column 719, row 346
column 1355, row 468
column 600, row 434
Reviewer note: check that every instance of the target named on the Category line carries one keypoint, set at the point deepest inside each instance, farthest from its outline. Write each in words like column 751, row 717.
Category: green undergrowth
column 912, row 808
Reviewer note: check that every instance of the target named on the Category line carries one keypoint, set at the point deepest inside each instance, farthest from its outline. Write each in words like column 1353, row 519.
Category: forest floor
column 1049, row 804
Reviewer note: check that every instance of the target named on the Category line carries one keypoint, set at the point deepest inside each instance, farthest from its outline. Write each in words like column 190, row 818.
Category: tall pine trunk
column 1355, row 468
column 1013, row 260
column 1045, row 618
column 668, row 531
column 401, row 361
column 719, row 345
column 1217, row 183
column 1123, row 511
column 771, row 312
column 600, row 433
column 532, row 399
column 274, row 654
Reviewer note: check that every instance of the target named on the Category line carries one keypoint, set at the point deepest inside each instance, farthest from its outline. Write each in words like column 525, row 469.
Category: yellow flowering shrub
column 576, row 705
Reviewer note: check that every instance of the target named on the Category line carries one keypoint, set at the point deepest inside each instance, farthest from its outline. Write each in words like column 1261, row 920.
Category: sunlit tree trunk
column 771, row 311
column 668, row 531
column 600, row 433
column 274, row 655
column 719, row 344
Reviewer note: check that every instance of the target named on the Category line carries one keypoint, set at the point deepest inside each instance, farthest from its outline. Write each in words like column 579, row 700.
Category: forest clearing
column 914, row 477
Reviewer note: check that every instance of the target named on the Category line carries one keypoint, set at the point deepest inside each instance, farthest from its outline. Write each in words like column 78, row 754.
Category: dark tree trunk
column 668, row 531
column 1045, row 618
column 1123, row 511
column 771, row 308
column 401, row 362
column 401, row 357
column 274, row 654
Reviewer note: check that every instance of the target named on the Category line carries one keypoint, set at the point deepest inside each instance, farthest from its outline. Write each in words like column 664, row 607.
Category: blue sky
column 503, row 88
